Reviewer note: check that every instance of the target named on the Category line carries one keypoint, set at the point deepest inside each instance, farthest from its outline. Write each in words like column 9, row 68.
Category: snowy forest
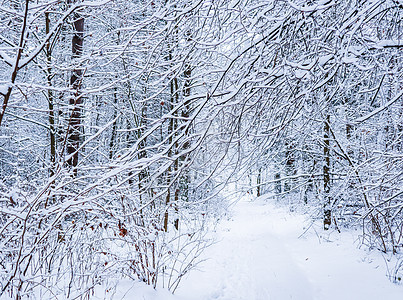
column 125, row 124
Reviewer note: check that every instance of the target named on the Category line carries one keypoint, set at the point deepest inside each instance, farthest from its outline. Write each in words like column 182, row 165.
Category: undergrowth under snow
column 265, row 252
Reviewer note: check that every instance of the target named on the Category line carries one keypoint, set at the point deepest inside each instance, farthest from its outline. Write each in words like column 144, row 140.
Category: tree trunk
column 327, row 214
column 73, row 138
column 185, row 116
column 172, row 150
column 258, row 182
column 51, row 114
column 112, row 141
column 289, row 166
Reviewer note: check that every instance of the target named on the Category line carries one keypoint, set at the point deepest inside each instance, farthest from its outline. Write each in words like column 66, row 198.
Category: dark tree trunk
column 290, row 169
column 51, row 116
column 327, row 214
column 185, row 116
column 73, row 138
column 259, row 182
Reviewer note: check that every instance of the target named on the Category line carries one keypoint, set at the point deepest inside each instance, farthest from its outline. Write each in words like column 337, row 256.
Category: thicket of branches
column 122, row 120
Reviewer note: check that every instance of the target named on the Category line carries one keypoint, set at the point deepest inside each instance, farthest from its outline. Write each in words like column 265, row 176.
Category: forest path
column 251, row 260
column 261, row 256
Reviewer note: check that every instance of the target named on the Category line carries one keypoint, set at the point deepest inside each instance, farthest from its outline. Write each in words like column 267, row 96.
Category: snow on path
column 259, row 257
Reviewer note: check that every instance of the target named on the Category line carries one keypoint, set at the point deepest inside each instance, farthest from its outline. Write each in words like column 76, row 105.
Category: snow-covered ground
column 261, row 255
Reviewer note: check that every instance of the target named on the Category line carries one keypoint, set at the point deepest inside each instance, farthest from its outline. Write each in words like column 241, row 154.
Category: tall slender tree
column 76, row 99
